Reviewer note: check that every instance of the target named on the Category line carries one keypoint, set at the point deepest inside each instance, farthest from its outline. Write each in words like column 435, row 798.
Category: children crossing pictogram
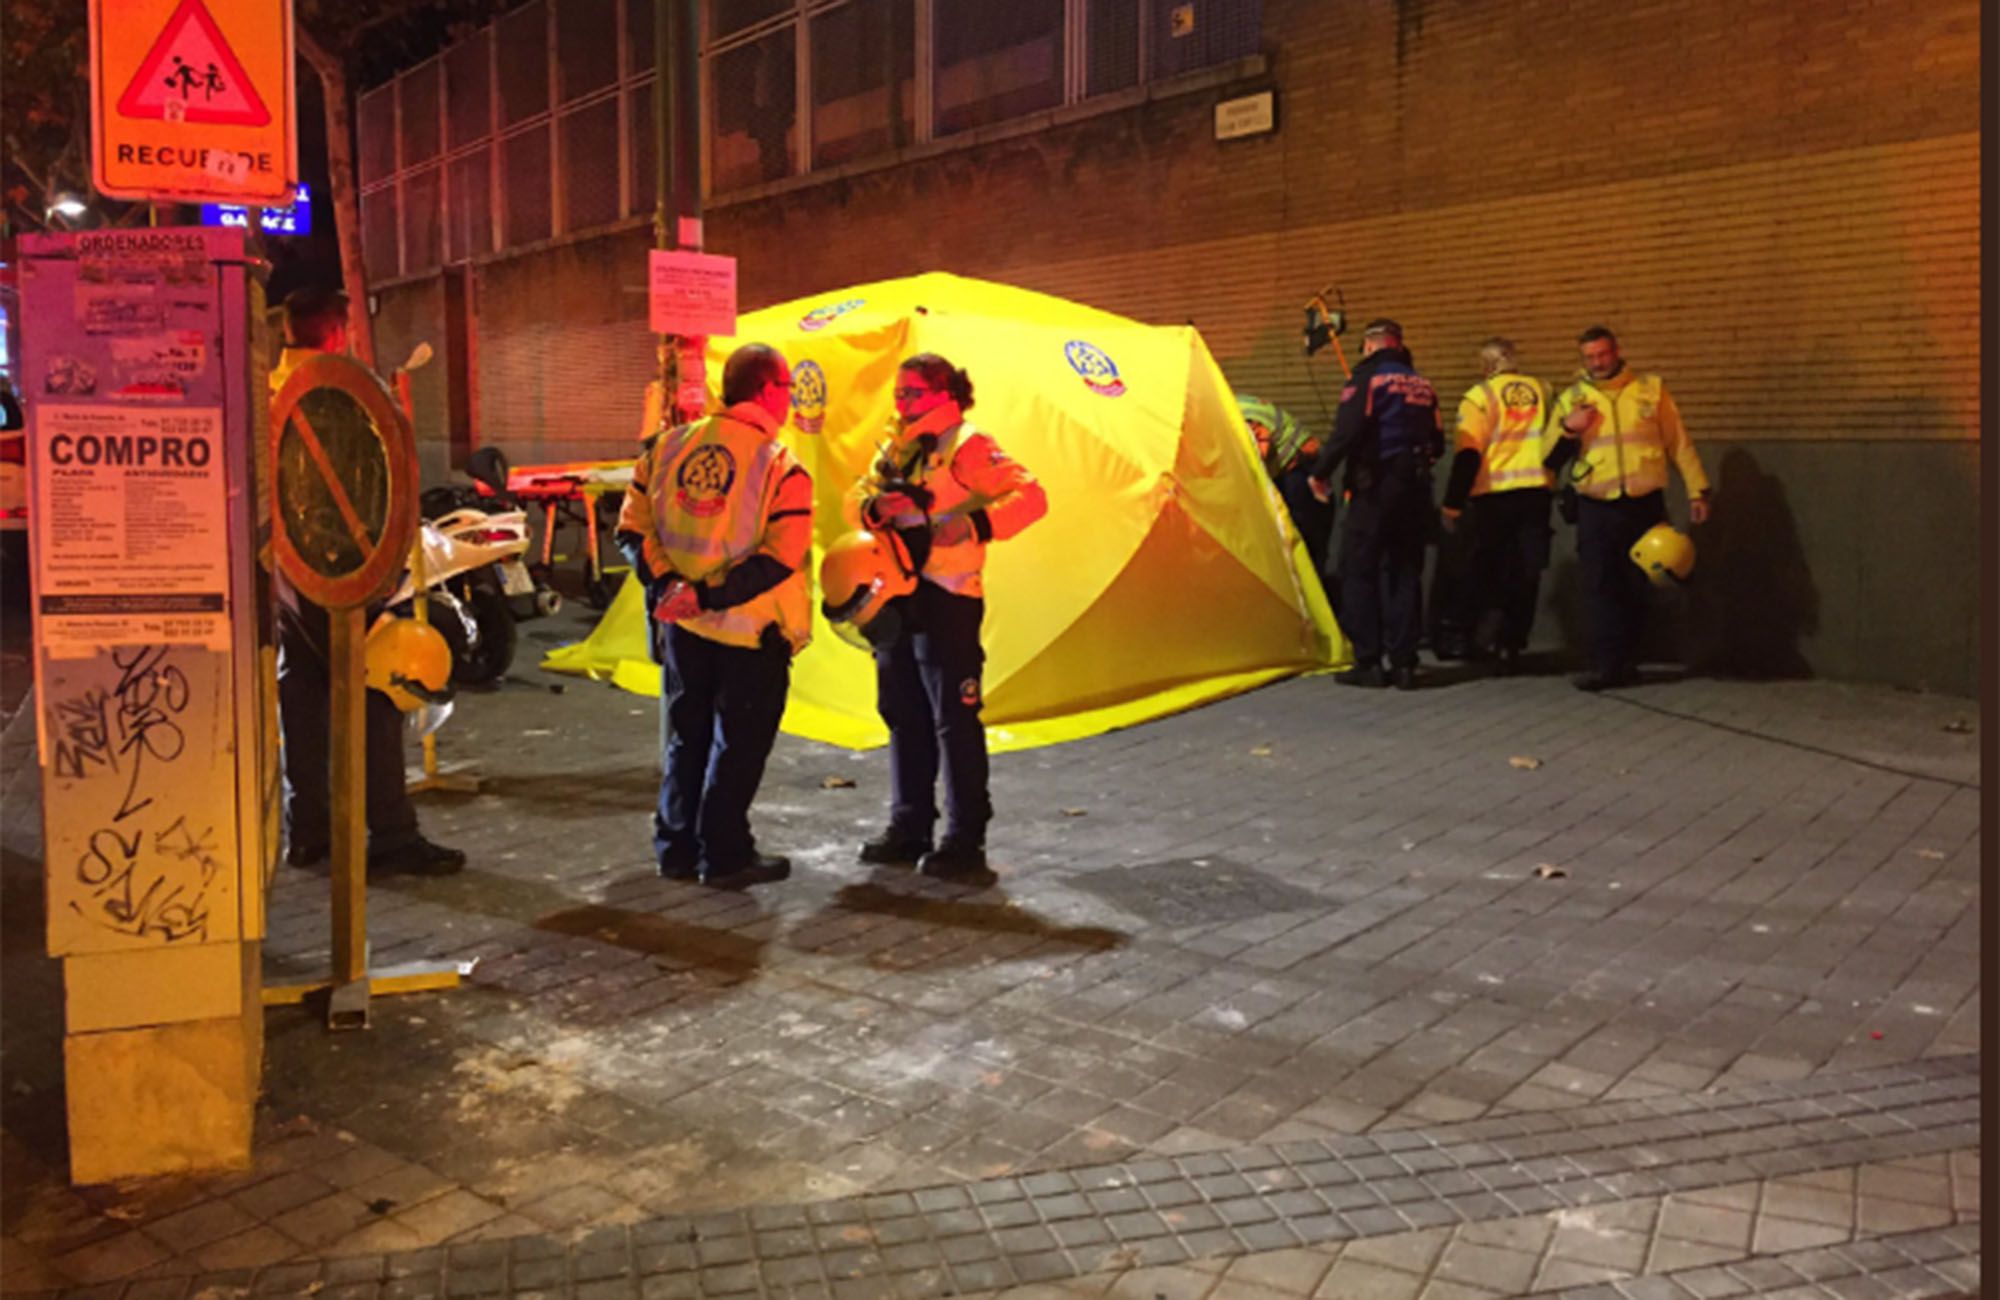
column 191, row 75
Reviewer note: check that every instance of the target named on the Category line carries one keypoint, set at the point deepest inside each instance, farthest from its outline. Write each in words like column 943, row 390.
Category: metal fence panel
column 638, row 36
column 995, row 62
column 525, row 189
column 753, row 112
column 640, row 149
column 421, row 134
column 468, row 78
column 524, row 64
column 864, row 66
column 727, row 16
column 421, row 228
column 469, row 218
column 590, row 166
column 378, row 234
column 375, row 132
column 586, row 47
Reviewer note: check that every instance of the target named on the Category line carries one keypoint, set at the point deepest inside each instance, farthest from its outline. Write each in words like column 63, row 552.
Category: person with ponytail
column 949, row 491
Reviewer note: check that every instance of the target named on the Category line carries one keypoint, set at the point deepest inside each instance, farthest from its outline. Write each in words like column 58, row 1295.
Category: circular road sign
column 344, row 492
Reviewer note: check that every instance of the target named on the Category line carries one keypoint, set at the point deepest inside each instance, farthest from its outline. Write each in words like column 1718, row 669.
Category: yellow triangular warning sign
column 191, row 75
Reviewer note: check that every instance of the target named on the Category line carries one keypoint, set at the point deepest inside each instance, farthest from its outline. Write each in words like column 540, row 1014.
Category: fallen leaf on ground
column 1262, row 751
column 1550, row 871
column 1076, row 812
column 538, row 731
column 1524, row 762
column 836, row 783
column 1931, row 855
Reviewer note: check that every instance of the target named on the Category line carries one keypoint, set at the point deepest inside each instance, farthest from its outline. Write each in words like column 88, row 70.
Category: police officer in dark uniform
column 1388, row 433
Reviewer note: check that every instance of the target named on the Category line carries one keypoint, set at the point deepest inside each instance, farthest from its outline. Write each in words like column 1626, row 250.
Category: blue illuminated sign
column 295, row 220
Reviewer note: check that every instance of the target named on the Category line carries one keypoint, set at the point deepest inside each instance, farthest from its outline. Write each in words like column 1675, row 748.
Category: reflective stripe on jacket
column 1281, row 440
column 1639, row 431
column 967, row 474
column 705, row 497
column 1503, row 419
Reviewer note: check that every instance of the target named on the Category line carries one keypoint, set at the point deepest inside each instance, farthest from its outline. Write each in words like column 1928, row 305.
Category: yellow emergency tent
column 1166, row 573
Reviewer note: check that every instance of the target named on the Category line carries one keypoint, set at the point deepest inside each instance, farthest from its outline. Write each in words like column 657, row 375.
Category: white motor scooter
column 472, row 566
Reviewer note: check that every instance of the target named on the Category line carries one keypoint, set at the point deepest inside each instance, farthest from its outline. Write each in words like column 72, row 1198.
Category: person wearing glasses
column 718, row 524
column 949, row 490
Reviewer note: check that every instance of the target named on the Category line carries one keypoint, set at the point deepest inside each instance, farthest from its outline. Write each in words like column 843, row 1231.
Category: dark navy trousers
column 722, row 706
column 929, row 691
column 1615, row 590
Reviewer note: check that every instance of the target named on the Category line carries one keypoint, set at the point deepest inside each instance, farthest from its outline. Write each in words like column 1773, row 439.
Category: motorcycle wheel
column 493, row 654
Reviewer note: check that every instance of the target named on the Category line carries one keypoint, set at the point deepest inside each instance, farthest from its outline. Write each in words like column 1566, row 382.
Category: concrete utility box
column 152, row 657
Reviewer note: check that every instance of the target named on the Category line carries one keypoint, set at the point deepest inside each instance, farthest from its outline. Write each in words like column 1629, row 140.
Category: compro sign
column 192, row 100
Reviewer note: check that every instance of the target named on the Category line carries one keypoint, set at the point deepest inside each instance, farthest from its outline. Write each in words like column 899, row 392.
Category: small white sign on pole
column 691, row 293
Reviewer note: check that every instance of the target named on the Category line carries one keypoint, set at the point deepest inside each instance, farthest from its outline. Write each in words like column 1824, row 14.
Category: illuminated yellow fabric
column 1640, row 430
column 1166, row 573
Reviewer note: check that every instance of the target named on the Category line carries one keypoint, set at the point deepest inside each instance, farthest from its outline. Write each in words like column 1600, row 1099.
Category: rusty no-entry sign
column 344, row 465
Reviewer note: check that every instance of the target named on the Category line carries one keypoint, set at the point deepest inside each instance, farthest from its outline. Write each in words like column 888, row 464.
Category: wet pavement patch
column 1196, row 891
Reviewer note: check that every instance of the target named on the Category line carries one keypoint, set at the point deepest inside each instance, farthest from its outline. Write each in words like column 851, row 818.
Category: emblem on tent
column 821, row 317
column 1099, row 371
column 809, row 397
column 191, row 75
column 704, row 480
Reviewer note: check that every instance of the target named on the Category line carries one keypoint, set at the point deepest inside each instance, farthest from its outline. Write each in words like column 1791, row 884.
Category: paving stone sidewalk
column 1307, row 916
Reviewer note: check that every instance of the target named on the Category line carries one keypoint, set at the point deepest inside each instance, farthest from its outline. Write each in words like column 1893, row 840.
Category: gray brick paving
column 1296, row 917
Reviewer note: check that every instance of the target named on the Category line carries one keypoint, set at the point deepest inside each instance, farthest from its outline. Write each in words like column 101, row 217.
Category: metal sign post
column 344, row 517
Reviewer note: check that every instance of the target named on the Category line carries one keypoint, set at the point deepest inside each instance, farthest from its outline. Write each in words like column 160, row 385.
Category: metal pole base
column 347, row 1004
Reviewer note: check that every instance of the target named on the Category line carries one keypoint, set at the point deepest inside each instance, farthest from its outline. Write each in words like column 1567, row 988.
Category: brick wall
column 1776, row 205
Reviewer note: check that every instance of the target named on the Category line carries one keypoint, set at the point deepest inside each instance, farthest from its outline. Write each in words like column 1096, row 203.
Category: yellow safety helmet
column 1665, row 555
column 859, row 576
column 407, row 661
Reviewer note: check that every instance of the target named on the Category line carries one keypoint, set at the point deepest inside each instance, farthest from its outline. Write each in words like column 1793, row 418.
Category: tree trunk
column 332, row 75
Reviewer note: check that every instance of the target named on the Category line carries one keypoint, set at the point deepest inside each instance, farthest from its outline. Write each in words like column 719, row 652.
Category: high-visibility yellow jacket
column 709, row 495
column 1640, row 430
column 966, row 474
column 1503, row 420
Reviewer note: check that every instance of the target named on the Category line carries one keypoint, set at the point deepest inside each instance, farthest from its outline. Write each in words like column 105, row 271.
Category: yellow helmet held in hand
column 858, row 578
column 407, row 661
column 1665, row 555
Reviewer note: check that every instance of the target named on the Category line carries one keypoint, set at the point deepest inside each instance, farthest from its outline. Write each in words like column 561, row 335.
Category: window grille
column 590, row 166
column 468, row 79
column 863, row 80
column 419, row 91
column 524, row 64
column 753, row 112
column 996, row 61
column 1187, row 35
column 524, row 187
column 1111, row 46
column 586, row 46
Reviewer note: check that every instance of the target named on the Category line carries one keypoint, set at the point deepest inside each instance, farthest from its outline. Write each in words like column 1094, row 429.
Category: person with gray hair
column 1499, row 483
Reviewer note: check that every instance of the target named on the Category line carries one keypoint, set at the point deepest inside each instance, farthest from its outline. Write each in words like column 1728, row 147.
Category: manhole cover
column 1196, row 891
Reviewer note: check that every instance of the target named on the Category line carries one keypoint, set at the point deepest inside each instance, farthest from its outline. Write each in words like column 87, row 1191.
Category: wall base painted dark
column 1849, row 560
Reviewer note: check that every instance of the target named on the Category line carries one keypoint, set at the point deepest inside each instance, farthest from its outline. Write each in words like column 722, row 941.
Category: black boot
column 960, row 861
column 895, row 848
column 1369, row 675
column 761, row 869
